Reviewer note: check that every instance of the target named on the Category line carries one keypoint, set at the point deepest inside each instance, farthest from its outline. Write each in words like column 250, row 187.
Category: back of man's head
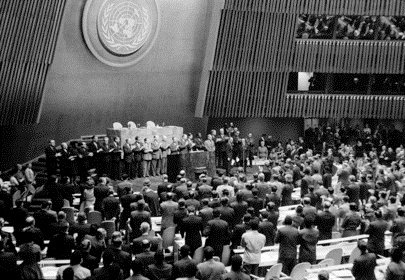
column 75, row 258
column 208, row 253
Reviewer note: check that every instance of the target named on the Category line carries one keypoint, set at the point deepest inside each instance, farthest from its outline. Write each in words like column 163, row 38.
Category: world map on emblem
column 123, row 26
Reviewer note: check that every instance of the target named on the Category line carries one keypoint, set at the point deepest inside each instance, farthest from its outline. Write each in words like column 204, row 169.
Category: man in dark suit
column 137, row 218
column 128, row 159
column 353, row 190
column 61, row 245
column 192, row 227
column 32, row 233
column 167, row 209
column 146, row 257
column 351, row 222
column 180, row 267
column 398, row 226
column 274, row 197
column 325, row 221
column 126, row 200
column 240, row 207
column 105, row 158
column 95, row 149
column 306, row 181
column 43, row 219
column 288, row 237
column 273, row 213
column 179, row 215
column 115, row 150
column 267, row 228
column 217, row 232
column 51, row 155
column 100, row 192
column 228, row 153
column 90, row 262
column 204, row 190
column 227, row 213
column 308, row 238
column 80, row 227
column 239, row 230
column 122, row 258
column 363, row 266
column 155, row 242
column 110, row 206
column 206, row 212
column 151, row 198
column 376, row 231
column 256, row 202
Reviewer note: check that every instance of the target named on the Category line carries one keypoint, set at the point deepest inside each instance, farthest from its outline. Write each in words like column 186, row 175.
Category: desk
column 270, row 258
column 379, row 270
column 50, row 272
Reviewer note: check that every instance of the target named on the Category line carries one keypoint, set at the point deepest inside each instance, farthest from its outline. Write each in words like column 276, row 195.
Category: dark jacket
column 288, row 237
column 363, row 267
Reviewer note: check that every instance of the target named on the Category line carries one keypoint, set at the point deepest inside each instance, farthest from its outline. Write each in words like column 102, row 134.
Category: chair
column 299, row 272
column 70, row 214
column 226, row 254
column 335, row 254
column 94, row 218
column 354, row 254
column 336, row 235
column 198, row 256
column 109, row 227
column 168, row 237
column 273, row 273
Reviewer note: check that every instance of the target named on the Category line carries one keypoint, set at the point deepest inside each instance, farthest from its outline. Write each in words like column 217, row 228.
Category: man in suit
column 363, row 266
column 376, row 231
column 217, row 232
column 192, row 227
column 105, row 158
column 155, row 242
column 51, row 155
column 95, row 149
column 325, row 222
column 116, row 152
column 146, row 157
column 167, row 208
column 308, row 238
column 239, row 230
column 227, row 213
column 156, row 156
column 398, row 226
column 122, row 258
column 306, row 181
column 146, row 257
column 351, row 222
column 240, row 207
column 206, row 212
column 256, row 202
column 210, row 269
column 151, row 198
column 204, row 190
column 137, row 158
column 32, row 233
column 308, row 210
column 267, row 228
column 179, row 215
column 288, row 237
column 128, row 159
column 111, row 206
column 228, row 153
column 81, row 228
column 101, row 191
column 273, row 214
column 353, row 190
column 139, row 216
column 61, row 245
column 180, row 267
column 165, row 150
column 43, row 219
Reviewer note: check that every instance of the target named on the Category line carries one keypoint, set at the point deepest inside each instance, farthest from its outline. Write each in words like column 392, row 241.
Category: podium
column 191, row 162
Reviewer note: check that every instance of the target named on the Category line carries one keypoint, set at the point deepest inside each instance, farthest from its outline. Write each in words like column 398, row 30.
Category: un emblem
column 120, row 32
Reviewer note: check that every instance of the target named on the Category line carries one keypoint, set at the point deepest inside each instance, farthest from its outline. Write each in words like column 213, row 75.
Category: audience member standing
column 253, row 242
column 363, row 266
column 288, row 237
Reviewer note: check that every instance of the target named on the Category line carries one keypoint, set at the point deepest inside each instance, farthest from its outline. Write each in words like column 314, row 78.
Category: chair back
column 226, row 254
column 70, row 214
column 354, row 254
column 109, row 227
column 335, row 254
column 94, row 218
column 168, row 237
column 274, row 272
column 299, row 271
column 198, row 256
column 326, row 262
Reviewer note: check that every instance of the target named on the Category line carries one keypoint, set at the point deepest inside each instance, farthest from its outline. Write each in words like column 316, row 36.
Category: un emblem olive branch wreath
column 109, row 36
